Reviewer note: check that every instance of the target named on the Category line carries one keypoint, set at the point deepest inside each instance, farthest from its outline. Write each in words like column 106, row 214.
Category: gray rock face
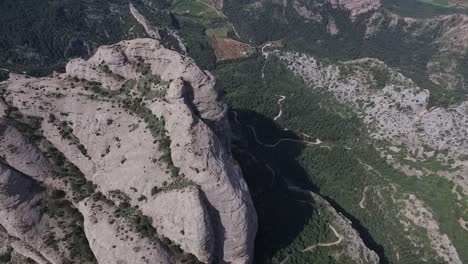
column 396, row 112
column 201, row 155
column 112, row 241
column 147, row 128
column 33, row 232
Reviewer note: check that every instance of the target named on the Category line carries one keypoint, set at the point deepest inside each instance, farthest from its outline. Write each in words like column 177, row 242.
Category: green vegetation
column 197, row 22
column 315, row 231
column 5, row 256
column 381, row 77
column 198, row 46
column 62, row 168
column 29, row 30
column 195, row 8
column 54, row 202
column 220, row 32
column 139, row 223
column 56, row 206
column 339, row 172
column 424, row 8
column 397, row 46
column 438, row 3
column 4, row 75
column 136, row 105
column 151, row 86
column 66, row 132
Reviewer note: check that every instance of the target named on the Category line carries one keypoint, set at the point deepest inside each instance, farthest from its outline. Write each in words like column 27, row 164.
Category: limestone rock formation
column 395, row 110
column 143, row 129
column 356, row 7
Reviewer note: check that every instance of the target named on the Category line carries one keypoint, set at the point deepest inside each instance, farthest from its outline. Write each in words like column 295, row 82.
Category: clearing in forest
column 227, row 48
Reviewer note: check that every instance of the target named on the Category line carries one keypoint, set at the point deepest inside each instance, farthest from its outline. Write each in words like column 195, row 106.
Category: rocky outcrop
column 26, row 216
column 146, row 128
column 17, row 251
column 417, row 213
column 199, row 153
column 393, row 107
column 356, row 7
column 347, row 237
column 354, row 246
column 365, row 28
column 144, row 23
column 113, row 241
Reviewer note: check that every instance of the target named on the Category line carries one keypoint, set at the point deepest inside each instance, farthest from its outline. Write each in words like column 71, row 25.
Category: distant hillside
column 40, row 36
column 430, row 51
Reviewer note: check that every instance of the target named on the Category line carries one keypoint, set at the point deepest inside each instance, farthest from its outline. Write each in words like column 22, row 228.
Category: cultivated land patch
column 227, row 48
column 197, row 8
column 219, row 32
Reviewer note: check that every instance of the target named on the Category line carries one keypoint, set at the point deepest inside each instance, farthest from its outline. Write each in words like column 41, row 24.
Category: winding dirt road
column 280, row 103
column 340, row 238
column 290, row 185
column 362, row 203
column 264, row 54
column 299, row 141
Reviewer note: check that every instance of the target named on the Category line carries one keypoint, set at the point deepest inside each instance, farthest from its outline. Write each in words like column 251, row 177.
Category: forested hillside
column 348, row 121
column 334, row 34
column 40, row 36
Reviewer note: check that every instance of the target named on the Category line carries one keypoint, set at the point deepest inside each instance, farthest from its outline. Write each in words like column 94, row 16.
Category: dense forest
column 40, row 36
column 395, row 45
column 418, row 8
column 339, row 170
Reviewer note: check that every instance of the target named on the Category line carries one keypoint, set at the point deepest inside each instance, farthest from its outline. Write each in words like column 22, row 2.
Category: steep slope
column 148, row 134
column 415, row 139
column 431, row 51
column 395, row 110
column 352, row 133
column 40, row 37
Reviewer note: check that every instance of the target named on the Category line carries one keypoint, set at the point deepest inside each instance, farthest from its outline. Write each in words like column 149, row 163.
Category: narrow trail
column 340, row 238
column 463, row 223
column 321, row 244
column 266, row 55
column 299, row 141
column 285, row 260
column 235, row 30
column 370, row 168
column 363, row 233
column 362, row 203
column 213, row 8
column 280, row 103
column 235, row 118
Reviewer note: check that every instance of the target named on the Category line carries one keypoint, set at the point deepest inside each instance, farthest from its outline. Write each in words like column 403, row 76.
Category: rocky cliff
column 135, row 141
column 430, row 50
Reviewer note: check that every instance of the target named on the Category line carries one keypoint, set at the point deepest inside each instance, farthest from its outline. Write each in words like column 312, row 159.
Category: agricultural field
column 196, row 8
column 219, row 33
column 228, row 49
column 426, row 8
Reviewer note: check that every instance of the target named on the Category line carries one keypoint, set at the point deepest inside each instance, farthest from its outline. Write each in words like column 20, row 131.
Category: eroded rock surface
column 394, row 108
column 146, row 129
